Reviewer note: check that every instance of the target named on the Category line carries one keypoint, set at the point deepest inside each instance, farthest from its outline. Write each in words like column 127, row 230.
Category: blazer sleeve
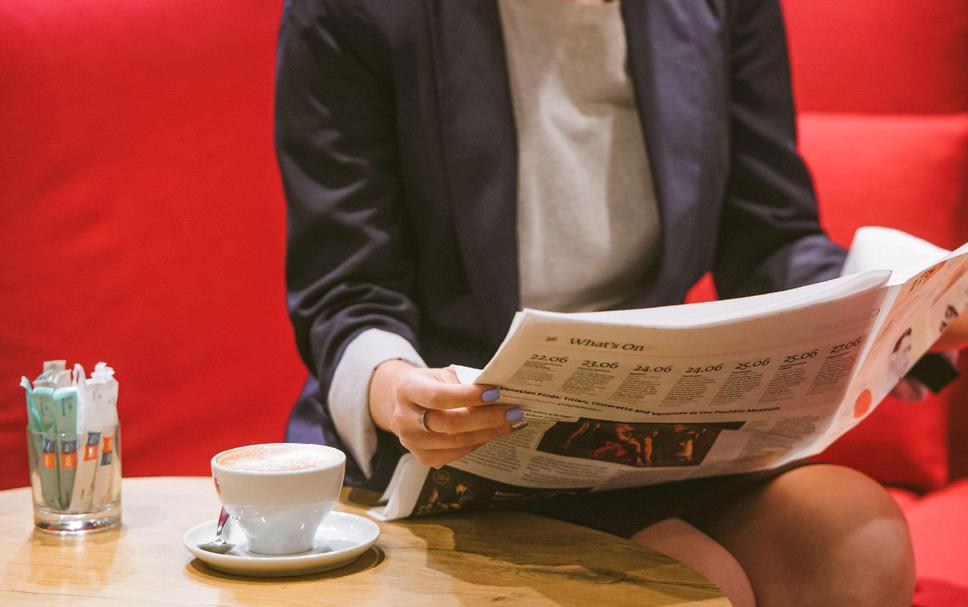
column 769, row 235
column 347, row 265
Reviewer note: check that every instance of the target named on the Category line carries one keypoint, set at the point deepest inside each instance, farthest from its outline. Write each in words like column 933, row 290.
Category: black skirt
column 624, row 512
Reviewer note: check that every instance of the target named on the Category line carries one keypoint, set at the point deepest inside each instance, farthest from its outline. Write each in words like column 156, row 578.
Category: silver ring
column 422, row 421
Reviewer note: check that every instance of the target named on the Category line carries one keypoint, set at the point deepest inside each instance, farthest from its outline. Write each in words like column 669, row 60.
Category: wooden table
column 469, row 559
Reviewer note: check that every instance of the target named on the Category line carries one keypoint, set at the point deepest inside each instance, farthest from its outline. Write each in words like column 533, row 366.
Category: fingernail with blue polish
column 514, row 415
column 491, row 395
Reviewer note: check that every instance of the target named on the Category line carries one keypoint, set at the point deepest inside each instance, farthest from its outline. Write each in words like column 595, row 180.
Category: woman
column 446, row 162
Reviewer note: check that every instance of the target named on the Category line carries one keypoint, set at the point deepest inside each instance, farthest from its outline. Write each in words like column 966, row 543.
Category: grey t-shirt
column 587, row 224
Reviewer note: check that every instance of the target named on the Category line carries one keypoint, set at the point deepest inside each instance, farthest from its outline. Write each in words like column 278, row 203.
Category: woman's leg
column 690, row 546
column 817, row 535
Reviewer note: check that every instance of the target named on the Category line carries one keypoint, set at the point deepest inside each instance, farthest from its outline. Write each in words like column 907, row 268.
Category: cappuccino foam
column 278, row 458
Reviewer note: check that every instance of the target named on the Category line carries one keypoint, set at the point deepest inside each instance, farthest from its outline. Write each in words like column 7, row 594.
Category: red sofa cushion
column 900, row 443
column 143, row 221
column 876, row 56
column 899, row 171
column 939, row 528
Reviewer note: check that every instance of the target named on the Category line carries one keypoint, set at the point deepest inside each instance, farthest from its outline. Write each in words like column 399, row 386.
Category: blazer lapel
column 660, row 51
column 479, row 150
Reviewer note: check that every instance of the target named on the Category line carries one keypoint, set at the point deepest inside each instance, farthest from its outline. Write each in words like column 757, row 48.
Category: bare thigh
column 817, row 535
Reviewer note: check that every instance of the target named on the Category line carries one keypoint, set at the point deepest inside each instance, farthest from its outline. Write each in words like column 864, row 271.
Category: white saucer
column 341, row 538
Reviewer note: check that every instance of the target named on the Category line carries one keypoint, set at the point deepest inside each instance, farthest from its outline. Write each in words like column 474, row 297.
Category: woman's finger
column 424, row 389
column 470, row 419
column 435, row 458
column 423, row 440
column 910, row 390
column 448, row 375
column 955, row 336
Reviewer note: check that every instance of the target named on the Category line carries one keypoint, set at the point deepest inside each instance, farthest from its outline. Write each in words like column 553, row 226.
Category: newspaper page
column 638, row 397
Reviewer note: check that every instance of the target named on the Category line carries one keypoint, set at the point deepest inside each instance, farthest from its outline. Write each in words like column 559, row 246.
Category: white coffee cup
column 279, row 493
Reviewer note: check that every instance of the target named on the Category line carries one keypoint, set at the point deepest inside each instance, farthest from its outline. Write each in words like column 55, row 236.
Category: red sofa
column 144, row 222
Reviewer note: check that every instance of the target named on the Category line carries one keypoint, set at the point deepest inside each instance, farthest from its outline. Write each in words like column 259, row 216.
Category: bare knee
column 821, row 535
column 869, row 544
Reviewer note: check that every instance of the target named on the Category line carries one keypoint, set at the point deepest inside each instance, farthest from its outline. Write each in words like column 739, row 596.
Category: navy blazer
column 396, row 141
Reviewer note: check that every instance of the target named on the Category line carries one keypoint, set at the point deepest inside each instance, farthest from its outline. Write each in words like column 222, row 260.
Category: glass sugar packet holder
column 74, row 448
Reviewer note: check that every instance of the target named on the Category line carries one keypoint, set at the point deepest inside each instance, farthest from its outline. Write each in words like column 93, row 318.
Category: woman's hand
column 955, row 336
column 954, row 339
column 457, row 418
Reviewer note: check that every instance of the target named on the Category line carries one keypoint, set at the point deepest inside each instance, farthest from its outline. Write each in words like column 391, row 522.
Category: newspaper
column 637, row 397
